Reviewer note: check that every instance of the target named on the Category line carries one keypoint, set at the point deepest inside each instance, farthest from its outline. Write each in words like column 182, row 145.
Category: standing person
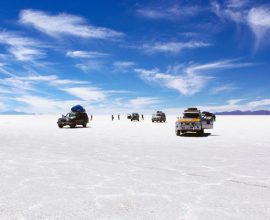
column 118, row 117
column 91, row 117
column 112, row 117
column 142, row 117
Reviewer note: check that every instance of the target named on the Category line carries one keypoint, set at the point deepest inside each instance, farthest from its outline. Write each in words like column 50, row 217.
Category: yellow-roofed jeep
column 193, row 120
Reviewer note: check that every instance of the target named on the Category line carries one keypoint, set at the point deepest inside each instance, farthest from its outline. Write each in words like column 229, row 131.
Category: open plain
column 134, row 170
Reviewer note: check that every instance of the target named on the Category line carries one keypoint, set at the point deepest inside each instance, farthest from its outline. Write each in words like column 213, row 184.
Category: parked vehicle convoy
column 193, row 121
column 77, row 116
column 159, row 116
column 135, row 117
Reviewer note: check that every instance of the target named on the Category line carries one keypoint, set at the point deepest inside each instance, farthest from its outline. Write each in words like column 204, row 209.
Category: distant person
column 112, row 117
column 214, row 117
column 142, row 117
column 118, row 117
column 91, row 117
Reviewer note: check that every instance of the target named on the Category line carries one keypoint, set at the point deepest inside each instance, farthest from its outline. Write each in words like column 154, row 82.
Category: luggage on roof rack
column 192, row 109
column 77, row 108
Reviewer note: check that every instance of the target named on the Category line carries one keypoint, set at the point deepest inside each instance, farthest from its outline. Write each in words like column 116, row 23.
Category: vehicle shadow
column 77, row 127
column 195, row 135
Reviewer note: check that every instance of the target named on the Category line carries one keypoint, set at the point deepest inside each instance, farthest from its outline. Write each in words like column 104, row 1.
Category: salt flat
column 134, row 170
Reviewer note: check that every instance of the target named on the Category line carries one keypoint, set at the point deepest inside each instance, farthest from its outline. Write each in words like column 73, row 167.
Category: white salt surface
column 134, row 170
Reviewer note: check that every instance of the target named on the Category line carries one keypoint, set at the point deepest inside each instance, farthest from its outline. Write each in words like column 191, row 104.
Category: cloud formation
column 22, row 48
column 173, row 47
column 88, row 93
column 187, row 80
column 84, row 54
column 239, row 104
column 168, row 12
column 143, row 102
column 257, row 18
column 65, row 24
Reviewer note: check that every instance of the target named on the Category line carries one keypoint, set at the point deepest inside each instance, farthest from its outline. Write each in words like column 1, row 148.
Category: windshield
column 191, row 115
column 70, row 115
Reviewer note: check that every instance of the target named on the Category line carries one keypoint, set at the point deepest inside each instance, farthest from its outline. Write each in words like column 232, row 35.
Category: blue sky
column 123, row 56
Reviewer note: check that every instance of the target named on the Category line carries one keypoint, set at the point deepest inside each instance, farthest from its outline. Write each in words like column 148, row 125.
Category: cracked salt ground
column 124, row 170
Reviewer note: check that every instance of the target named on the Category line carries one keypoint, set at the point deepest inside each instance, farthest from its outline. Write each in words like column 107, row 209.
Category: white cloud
column 65, row 24
column 62, row 82
column 41, row 105
column 123, row 66
column 85, row 54
column 231, row 11
column 234, row 101
column 19, row 85
column 223, row 64
column 168, row 12
column 16, row 85
column 90, row 65
column 87, row 93
column 259, row 104
column 4, row 70
column 259, row 22
column 22, row 48
column 237, row 3
column 223, row 88
column 173, row 47
column 142, row 102
column 238, row 104
column 38, row 78
column 184, row 83
column 187, row 80
column 3, row 106
column 240, row 12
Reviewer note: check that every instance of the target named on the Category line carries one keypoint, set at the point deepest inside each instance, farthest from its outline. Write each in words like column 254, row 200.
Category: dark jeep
column 72, row 119
column 135, row 116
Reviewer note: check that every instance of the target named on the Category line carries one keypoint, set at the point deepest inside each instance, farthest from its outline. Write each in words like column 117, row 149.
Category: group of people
column 118, row 116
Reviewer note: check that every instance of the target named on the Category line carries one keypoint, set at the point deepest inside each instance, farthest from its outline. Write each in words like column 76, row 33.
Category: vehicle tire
column 152, row 120
column 84, row 125
column 72, row 125
column 201, row 132
column 60, row 126
column 178, row 133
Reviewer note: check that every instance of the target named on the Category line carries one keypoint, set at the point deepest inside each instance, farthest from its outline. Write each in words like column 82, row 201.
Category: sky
column 120, row 56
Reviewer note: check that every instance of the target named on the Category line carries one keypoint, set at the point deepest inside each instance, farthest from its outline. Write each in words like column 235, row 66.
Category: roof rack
column 192, row 110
